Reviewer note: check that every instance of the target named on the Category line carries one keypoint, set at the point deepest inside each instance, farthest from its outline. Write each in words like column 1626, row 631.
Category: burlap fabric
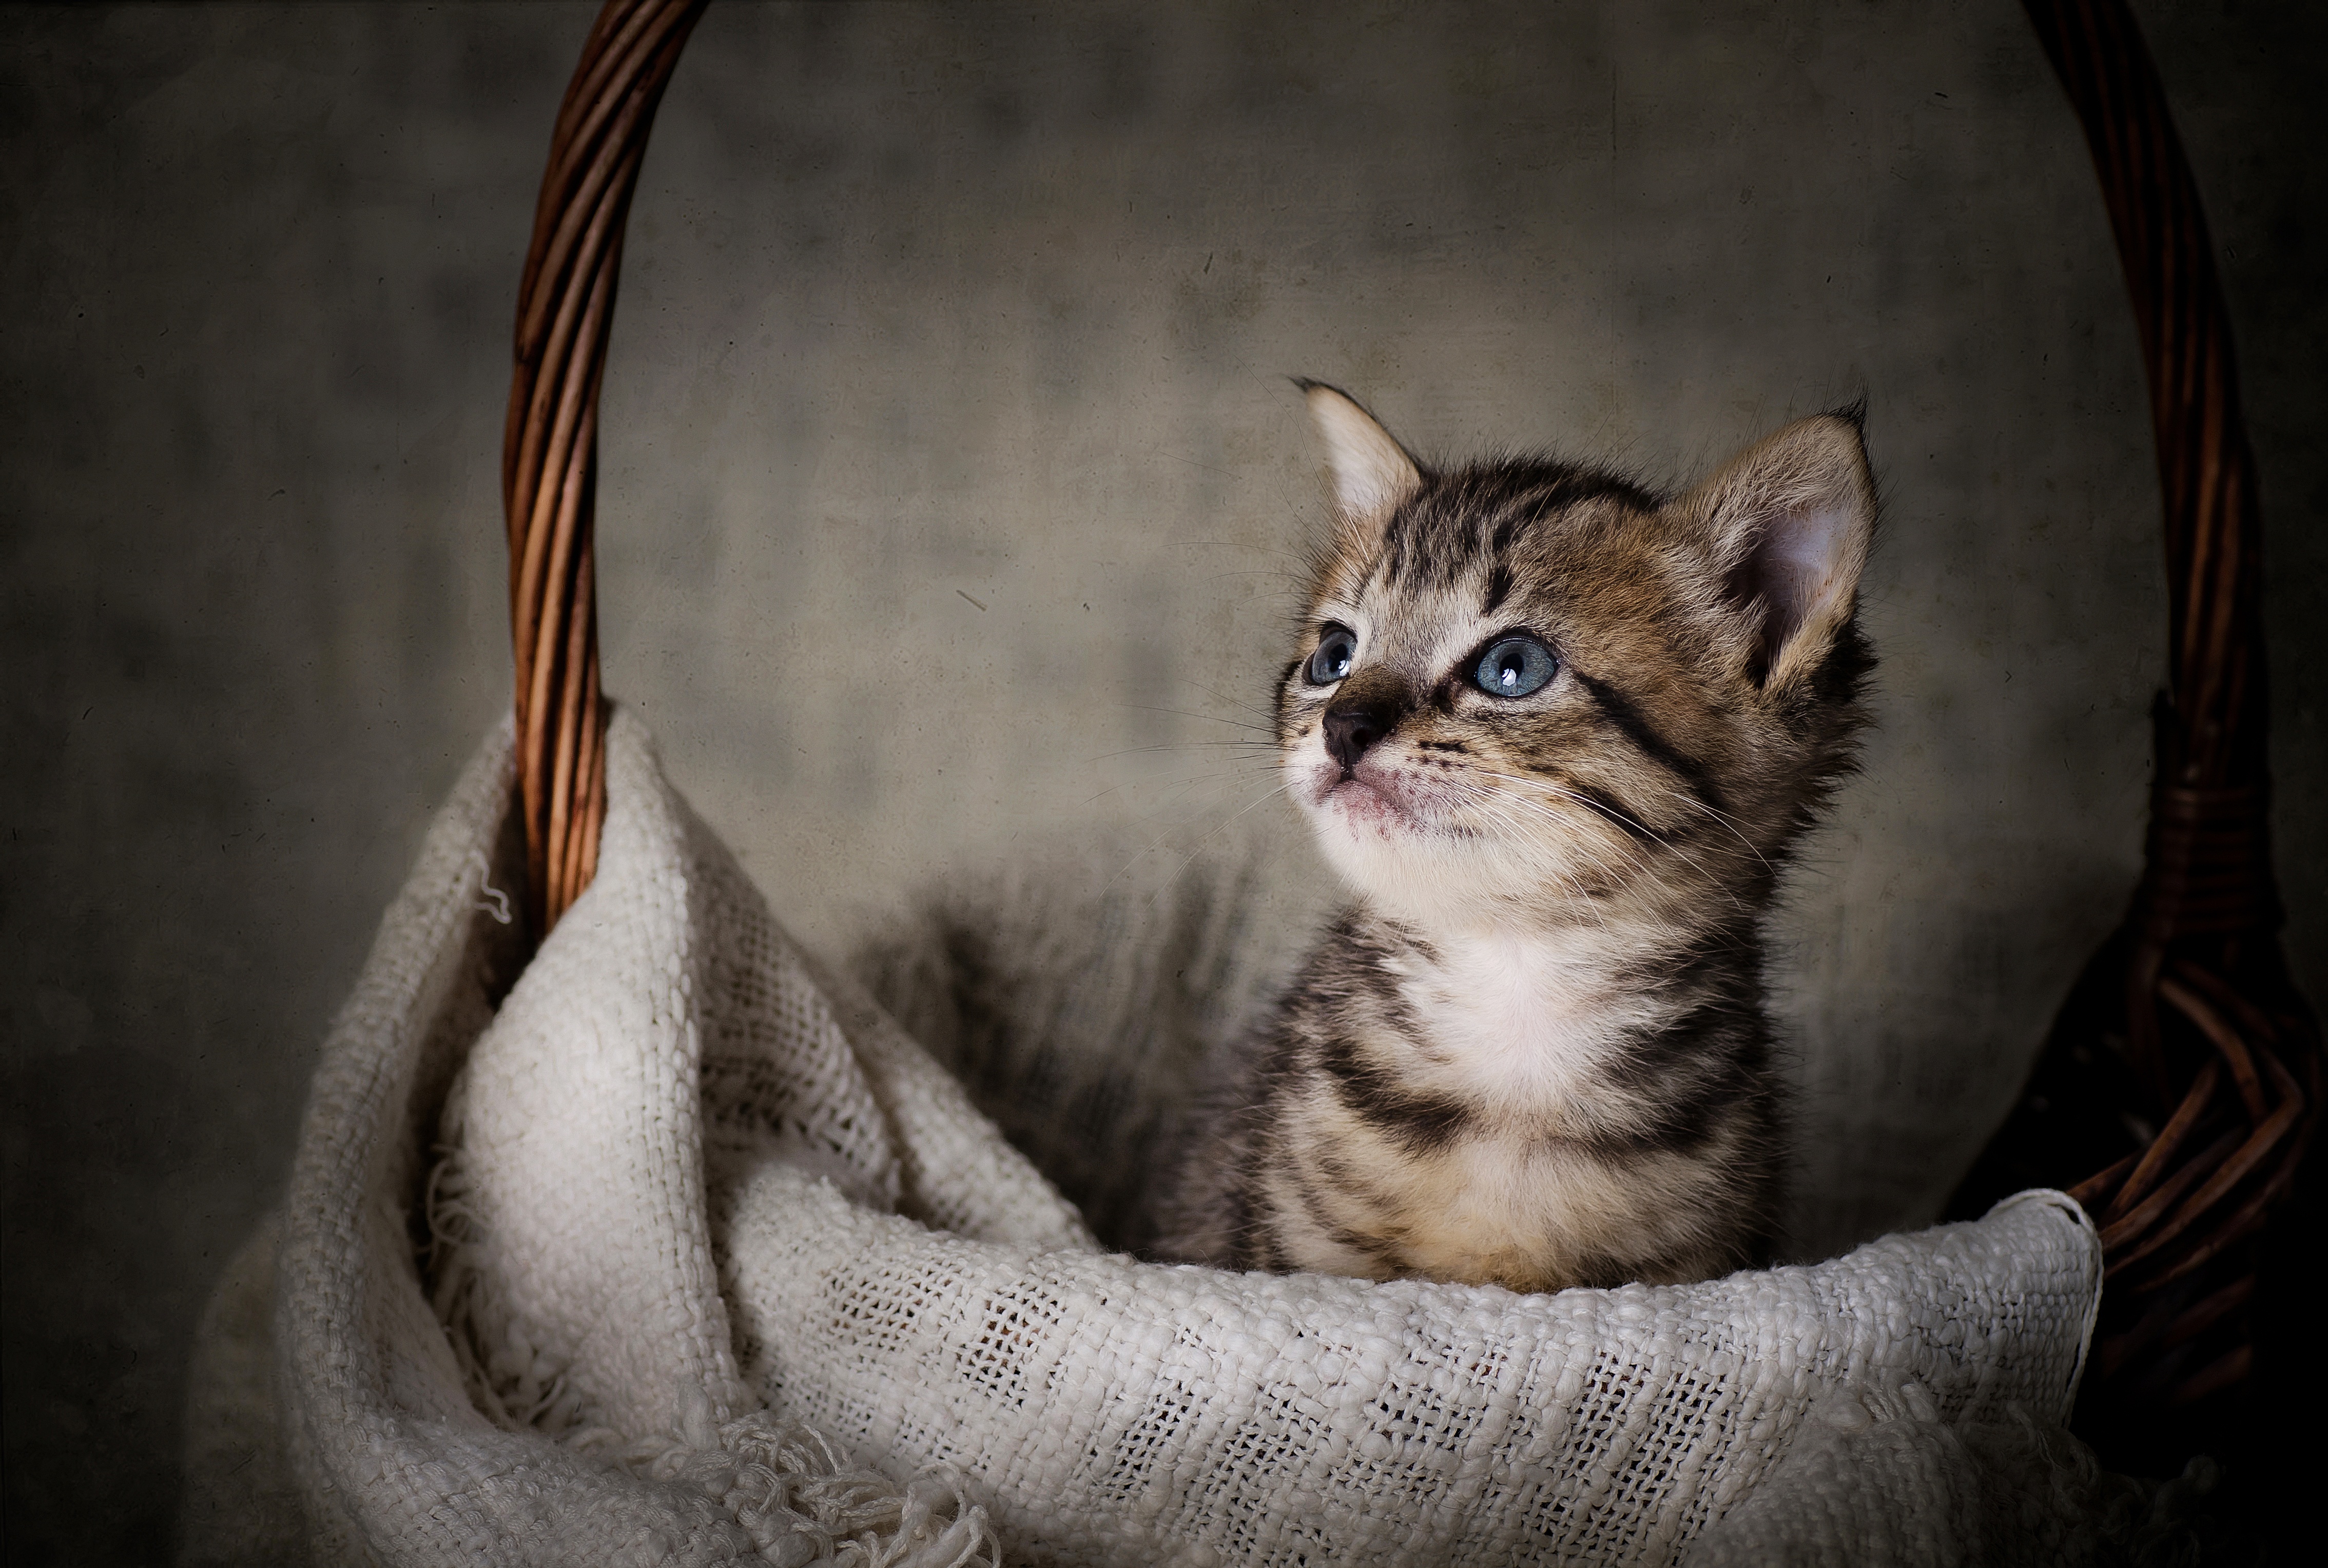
column 671, row 1247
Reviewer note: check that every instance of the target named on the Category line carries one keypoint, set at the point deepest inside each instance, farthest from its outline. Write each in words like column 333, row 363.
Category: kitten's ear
column 1789, row 519
column 1372, row 471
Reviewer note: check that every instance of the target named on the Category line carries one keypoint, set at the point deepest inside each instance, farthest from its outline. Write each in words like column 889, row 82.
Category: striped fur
column 1536, row 1053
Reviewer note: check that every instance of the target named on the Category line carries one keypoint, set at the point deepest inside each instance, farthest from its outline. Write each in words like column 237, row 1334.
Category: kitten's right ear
column 1789, row 520
column 1372, row 471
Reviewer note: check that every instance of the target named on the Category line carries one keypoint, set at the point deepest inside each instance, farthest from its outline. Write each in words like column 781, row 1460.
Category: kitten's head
column 1530, row 692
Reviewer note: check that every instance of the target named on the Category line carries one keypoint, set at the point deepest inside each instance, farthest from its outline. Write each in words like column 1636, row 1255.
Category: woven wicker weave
column 549, row 448
column 2184, row 1066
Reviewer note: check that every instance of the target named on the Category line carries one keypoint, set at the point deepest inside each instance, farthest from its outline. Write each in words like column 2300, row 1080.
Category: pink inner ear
column 1790, row 570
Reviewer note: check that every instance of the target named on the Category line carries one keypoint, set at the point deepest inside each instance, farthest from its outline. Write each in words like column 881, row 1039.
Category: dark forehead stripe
column 1483, row 510
column 1636, row 728
column 1392, row 565
column 1499, row 589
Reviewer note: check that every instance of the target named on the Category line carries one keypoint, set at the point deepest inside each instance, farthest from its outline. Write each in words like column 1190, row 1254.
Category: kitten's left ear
column 1789, row 520
column 1372, row 472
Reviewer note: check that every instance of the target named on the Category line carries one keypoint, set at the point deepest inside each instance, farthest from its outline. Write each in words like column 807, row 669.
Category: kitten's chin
column 1395, row 842
column 1386, row 847
column 1410, row 862
column 1363, row 808
column 1373, row 826
column 1405, row 876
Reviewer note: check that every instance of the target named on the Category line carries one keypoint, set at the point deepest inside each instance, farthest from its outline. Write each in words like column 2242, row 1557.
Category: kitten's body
column 1521, row 1112
column 1556, row 732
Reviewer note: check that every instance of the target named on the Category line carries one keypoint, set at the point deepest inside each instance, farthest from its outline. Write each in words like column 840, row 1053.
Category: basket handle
column 2196, row 966
column 550, row 445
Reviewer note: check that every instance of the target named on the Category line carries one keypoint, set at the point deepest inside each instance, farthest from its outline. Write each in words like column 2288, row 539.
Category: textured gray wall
column 928, row 307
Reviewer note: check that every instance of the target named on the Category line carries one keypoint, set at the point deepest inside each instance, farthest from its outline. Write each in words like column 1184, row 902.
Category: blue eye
column 1336, row 647
column 1515, row 667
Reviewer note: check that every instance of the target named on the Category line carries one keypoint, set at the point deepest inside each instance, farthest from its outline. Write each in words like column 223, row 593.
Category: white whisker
column 1601, row 808
column 1728, row 823
column 1190, row 858
column 1260, row 748
column 1270, row 730
column 1268, row 715
column 1584, row 900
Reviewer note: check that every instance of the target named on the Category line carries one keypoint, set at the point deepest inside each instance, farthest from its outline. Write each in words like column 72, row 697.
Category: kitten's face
column 1530, row 693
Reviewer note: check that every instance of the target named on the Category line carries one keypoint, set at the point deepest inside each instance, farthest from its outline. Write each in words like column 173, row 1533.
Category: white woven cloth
column 726, row 1268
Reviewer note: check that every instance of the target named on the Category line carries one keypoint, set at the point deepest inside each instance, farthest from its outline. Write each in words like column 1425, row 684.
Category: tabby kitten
column 1557, row 734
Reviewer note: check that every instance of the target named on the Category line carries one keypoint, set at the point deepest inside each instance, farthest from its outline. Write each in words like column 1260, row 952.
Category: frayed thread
column 801, row 1500
column 519, row 1385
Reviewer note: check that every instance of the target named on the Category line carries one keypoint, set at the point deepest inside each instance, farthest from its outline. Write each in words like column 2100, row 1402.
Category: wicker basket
column 2179, row 1084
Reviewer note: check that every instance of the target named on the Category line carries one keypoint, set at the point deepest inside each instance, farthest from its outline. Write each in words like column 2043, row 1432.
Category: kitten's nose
column 1354, row 724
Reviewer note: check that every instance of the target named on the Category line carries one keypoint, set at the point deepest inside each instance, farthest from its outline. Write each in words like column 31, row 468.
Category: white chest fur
column 1524, row 1021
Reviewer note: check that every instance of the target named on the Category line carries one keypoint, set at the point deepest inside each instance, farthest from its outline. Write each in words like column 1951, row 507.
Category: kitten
column 1557, row 734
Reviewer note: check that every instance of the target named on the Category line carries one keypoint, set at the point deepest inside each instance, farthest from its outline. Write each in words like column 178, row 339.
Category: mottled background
column 952, row 486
